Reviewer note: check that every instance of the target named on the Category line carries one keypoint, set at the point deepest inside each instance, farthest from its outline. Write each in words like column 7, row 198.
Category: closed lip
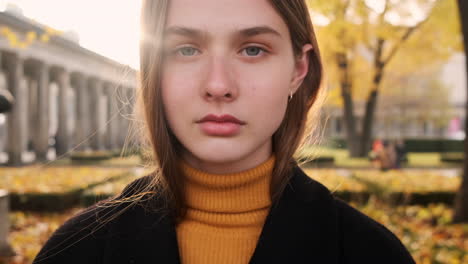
column 221, row 119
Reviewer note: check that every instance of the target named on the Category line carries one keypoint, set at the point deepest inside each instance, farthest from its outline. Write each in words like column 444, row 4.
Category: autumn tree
column 461, row 201
column 362, row 40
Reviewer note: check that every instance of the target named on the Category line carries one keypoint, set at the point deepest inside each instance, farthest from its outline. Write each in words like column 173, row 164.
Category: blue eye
column 187, row 51
column 253, row 51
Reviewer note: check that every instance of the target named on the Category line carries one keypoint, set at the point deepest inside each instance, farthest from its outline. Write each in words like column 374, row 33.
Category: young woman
column 227, row 87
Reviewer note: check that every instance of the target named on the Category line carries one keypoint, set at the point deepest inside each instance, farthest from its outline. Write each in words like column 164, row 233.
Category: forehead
column 224, row 16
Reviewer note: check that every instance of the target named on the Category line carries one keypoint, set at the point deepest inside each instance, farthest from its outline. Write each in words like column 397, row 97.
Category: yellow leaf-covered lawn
column 404, row 181
column 35, row 179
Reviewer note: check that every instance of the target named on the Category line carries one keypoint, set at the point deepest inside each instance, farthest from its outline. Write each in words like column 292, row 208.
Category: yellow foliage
column 397, row 181
column 29, row 38
column 45, row 38
column 355, row 29
column 115, row 187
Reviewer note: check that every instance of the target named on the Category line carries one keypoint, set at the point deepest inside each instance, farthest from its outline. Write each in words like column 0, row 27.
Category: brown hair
column 298, row 124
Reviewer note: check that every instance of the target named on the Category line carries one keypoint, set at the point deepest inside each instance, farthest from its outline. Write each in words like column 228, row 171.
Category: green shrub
column 338, row 143
column 416, row 145
column 434, row 145
column 452, row 157
column 91, row 156
column 320, row 161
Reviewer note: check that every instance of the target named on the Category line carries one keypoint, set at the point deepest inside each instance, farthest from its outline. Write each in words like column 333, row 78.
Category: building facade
column 67, row 98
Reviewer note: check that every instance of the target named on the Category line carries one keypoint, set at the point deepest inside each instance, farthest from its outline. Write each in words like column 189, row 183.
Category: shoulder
column 78, row 239
column 83, row 237
column 361, row 238
column 365, row 239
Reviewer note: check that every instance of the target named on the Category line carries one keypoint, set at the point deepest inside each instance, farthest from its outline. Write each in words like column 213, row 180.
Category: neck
column 231, row 192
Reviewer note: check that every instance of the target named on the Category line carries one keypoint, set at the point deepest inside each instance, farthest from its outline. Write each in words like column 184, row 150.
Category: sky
column 107, row 27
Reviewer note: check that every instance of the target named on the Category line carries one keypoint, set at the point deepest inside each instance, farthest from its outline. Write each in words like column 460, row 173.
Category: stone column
column 17, row 118
column 64, row 130
column 41, row 145
column 128, row 123
column 122, row 104
column 83, row 123
column 117, row 118
column 331, row 125
column 130, row 116
column 97, row 140
column 113, row 115
column 32, row 125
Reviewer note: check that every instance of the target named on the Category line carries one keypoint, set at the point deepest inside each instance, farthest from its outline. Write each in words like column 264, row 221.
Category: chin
column 217, row 157
column 218, row 149
column 217, row 153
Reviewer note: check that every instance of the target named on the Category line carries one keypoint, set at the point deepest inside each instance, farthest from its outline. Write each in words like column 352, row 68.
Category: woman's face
column 227, row 57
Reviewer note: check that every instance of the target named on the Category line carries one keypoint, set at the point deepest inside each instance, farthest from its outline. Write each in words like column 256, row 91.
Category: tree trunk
column 371, row 104
column 461, row 201
column 352, row 138
column 366, row 139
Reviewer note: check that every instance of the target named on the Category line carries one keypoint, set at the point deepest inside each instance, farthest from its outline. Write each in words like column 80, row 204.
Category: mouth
column 225, row 125
column 221, row 119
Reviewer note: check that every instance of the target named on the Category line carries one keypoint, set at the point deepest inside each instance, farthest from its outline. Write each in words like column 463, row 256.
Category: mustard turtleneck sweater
column 225, row 215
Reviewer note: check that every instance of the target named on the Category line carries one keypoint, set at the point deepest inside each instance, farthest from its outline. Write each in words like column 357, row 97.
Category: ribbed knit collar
column 229, row 193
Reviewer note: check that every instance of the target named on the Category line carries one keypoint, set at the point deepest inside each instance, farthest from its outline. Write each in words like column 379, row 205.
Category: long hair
column 300, row 121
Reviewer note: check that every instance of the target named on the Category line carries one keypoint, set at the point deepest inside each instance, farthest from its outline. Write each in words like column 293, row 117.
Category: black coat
column 309, row 225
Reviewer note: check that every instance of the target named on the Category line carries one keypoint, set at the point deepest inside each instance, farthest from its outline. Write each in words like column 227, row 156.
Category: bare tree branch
column 409, row 31
column 384, row 12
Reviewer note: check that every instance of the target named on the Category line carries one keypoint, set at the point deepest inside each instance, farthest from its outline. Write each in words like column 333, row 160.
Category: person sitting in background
column 373, row 155
column 387, row 156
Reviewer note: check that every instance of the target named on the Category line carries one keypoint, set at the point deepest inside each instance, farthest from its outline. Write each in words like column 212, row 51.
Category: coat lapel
column 302, row 227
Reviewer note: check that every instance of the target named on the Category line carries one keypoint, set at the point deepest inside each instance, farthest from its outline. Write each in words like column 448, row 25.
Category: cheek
column 266, row 83
column 177, row 86
column 178, row 90
column 266, row 91
column 270, row 78
column 174, row 95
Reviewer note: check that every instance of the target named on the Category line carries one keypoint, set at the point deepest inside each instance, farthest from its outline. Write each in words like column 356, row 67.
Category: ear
column 301, row 68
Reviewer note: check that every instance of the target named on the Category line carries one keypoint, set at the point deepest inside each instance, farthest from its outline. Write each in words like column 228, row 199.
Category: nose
column 220, row 84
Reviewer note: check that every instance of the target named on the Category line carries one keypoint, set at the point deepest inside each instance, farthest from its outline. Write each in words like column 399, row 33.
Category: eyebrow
column 195, row 33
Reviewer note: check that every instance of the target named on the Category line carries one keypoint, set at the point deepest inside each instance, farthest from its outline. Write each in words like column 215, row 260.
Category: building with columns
column 67, row 98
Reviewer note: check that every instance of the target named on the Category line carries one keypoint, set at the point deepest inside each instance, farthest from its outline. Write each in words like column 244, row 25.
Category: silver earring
column 290, row 96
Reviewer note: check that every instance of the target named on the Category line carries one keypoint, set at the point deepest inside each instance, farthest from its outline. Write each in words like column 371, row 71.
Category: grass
column 428, row 159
